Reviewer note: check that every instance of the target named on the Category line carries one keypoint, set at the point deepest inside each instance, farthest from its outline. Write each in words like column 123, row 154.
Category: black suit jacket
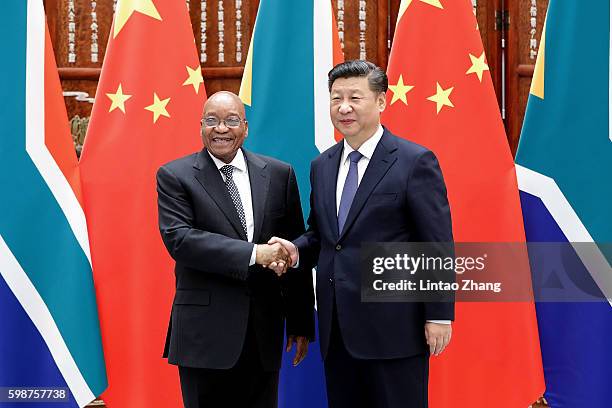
column 216, row 291
column 401, row 198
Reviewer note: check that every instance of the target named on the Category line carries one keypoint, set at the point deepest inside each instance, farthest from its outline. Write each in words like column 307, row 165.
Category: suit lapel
column 381, row 161
column 332, row 165
column 210, row 179
column 260, row 183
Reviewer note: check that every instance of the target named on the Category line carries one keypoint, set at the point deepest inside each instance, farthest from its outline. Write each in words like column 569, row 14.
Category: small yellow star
column 442, row 97
column 195, row 78
column 478, row 66
column 118, row 99
column 399, row 91
column 125, row 9
column 158, row 107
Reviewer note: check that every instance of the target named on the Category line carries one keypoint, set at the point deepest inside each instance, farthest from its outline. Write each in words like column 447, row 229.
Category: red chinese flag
column 441, row 96
column 147, row 110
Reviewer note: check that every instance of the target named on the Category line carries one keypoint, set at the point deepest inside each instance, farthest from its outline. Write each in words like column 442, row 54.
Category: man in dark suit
column 228, row 316
column 371, row 187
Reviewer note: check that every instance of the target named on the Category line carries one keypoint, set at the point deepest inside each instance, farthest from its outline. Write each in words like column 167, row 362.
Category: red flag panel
column 148, row 105
column 446, row 102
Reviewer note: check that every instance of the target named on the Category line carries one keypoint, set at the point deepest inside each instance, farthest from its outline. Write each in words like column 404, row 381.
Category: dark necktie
column 349, row 189
column 228, row 171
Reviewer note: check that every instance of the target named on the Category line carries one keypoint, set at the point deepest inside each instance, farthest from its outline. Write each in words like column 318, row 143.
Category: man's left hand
column 301, row 348
column 438, row 336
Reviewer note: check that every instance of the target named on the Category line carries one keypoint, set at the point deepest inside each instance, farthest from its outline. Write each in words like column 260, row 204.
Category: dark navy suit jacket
column 401, row 198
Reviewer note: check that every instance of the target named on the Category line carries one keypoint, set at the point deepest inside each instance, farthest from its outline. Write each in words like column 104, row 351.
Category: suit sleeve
column 193, row 247
column 430, row 212
column 309, row 243
column 299, row 290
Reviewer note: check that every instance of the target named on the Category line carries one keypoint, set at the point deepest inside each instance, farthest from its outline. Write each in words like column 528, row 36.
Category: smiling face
column 221, row 141
column 355, row 109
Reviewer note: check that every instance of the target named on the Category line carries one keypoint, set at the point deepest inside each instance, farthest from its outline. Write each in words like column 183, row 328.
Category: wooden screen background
column 521, row 60
column 80, row 77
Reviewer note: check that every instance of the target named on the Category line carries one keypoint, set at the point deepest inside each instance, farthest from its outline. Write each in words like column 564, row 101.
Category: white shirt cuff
column 439, row 321
column 297, row 263
column 253, row 256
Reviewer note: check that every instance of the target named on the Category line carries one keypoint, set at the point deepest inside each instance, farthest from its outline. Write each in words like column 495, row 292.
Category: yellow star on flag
column 442, row 97
column 405, row 3
column 399, row 91
column 478, row 66
column 158, row 107
column 118, row 99
column 435, row 3
column 195, row 78
column 125, row 9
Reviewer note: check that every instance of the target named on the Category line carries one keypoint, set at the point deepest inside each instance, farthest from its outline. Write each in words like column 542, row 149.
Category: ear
column 381, row 101
column 246, row 129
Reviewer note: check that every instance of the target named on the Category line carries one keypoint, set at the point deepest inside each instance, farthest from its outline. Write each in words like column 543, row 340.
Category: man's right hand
column 269, row 253
column 291, row 250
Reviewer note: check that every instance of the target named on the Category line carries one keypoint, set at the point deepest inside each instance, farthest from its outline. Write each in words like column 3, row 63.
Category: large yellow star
column 405, row 3
column 478, row 66
column 125, row 9
column 399, row 91
column 442, row 97
column 158, row 107
column 435, row 3
column 118, row 99
column 195, row 78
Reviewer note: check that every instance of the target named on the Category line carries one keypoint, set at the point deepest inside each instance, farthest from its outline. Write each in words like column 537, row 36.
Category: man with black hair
column 371, row 187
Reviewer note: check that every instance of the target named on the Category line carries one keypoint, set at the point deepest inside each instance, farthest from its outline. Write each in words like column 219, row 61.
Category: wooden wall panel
column 491, row 40
column 352, row 28
column 74, row 104
column 520, row 62
column 57, row 17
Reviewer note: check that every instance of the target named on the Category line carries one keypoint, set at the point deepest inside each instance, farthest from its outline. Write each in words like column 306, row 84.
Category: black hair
column 377, row 79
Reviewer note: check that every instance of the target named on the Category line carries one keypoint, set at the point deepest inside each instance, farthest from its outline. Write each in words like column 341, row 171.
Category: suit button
column 331, row 281
column 338, row 247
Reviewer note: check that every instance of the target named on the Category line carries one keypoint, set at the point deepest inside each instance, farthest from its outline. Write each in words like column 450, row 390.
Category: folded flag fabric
column 49, row 329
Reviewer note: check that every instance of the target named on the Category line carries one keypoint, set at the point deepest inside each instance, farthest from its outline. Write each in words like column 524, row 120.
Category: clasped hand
column 278, row 254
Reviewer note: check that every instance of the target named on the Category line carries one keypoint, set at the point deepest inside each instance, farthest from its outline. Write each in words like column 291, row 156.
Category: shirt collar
column 239, row 161
column 367, row 148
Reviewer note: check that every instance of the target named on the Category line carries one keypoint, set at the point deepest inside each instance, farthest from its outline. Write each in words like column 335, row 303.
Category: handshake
column 278, row 254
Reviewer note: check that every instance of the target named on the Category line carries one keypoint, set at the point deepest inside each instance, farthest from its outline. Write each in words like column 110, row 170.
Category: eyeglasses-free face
column 355, row 109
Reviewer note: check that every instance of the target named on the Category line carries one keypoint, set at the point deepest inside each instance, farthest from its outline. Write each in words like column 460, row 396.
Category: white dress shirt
column 240, row 175
column 366, row 150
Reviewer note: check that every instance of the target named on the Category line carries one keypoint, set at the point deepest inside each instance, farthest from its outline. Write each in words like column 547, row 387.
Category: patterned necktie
column 228, row 171
column 349, row 189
